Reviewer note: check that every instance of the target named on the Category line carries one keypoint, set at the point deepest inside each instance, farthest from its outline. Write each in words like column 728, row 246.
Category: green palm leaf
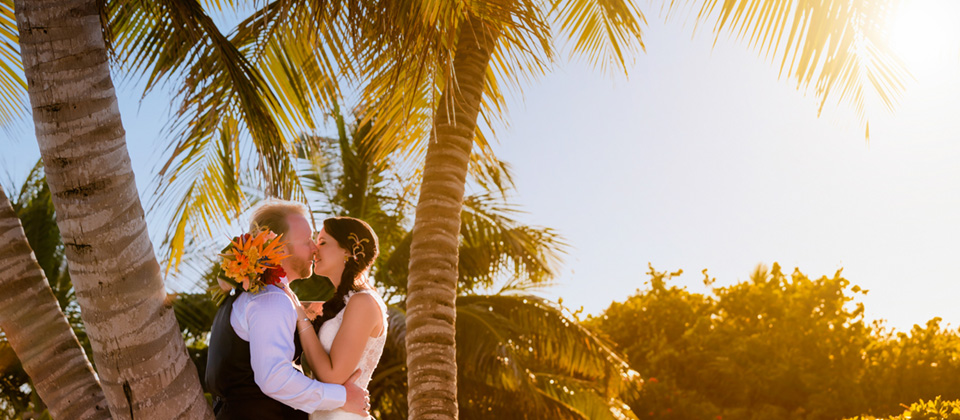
column 493, row 245
column 518, row 357
column 257, row 85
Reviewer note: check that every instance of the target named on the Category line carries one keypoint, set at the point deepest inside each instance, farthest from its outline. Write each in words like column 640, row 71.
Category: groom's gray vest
column 229, row 377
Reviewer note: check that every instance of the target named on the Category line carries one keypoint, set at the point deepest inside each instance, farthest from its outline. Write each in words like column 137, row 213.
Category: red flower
column 273, row 275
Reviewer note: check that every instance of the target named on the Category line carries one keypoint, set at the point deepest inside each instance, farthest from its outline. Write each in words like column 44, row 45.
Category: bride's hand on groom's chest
column 313, row 308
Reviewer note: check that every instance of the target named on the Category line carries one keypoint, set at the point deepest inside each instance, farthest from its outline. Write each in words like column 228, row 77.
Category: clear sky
column 702, row 158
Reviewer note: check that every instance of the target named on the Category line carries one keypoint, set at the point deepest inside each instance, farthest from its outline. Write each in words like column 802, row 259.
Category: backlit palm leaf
column 519, row 357
column 493, row 246
column 605, row 31
column 209, row 186
column 257, row 82
column 838, row 46
column 13, row 87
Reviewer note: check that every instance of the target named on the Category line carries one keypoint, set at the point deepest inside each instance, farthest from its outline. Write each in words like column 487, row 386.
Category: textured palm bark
column 38, row 331
column 432, row 282
column 140, row 355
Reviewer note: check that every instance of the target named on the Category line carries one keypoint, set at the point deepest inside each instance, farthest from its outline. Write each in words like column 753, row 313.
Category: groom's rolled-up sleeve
column 271, row 319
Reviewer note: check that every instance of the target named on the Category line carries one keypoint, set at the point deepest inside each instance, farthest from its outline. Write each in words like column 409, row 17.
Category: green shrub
column 936, row 409
column 780, row 346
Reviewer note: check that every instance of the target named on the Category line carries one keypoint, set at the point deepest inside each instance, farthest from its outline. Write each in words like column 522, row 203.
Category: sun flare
column 925, row 35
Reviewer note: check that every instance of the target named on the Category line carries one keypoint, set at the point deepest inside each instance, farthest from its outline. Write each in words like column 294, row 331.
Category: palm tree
column 527, row 359
column 524, row 348
column 140, row 356
column 413, row 53
column 30, row 313
column 468, row 53
column 363, row 174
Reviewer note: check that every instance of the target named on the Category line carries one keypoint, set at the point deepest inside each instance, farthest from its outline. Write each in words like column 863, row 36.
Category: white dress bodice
column 368, row 361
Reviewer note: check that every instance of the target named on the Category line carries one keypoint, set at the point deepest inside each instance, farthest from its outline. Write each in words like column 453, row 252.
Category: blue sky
column 702, row 158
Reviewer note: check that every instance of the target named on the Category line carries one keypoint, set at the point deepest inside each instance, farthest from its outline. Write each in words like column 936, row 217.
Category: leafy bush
column 777, row 346
column 936, row 409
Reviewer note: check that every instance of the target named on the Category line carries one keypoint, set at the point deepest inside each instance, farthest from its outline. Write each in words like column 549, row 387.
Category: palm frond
column 355, row 178
column 320, row 171
column 195, row 313
column 408, row 73
column 13, row 85
column 839, row 47
column 506, row 347
column 299, row 48
column 208, row 185
column 491, row 174
column 524, row 52
column 404, row 85
column 607, row 32
column 494, row 244
column 269, row 86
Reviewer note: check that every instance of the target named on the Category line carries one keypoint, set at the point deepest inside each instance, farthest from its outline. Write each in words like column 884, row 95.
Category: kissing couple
column 261, row 329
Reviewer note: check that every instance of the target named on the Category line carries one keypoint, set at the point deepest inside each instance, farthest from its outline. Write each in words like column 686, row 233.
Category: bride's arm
column 361, row 319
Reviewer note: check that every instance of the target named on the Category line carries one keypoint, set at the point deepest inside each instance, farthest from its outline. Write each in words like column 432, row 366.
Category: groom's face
column 300, row 247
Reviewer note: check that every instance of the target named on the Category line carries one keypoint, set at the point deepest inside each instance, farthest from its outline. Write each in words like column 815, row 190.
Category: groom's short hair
column 273, row 214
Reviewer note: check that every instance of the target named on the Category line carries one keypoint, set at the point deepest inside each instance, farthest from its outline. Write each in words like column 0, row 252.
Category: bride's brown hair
column 361, row 243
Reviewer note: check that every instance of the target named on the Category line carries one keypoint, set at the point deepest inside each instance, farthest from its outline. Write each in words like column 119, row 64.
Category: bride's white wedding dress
column 368, row 361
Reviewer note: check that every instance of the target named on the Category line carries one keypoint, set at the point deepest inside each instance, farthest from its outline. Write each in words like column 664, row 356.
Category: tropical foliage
column 777, row 346
column 521, row 346
column 266, row 82
column 429, row 71
column 935, row 409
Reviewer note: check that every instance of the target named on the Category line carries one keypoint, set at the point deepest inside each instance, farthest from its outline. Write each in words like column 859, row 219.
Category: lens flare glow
column 925, row 35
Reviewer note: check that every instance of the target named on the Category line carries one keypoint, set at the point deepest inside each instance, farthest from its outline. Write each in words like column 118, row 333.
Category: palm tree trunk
column 432, row 282
column 140, row 356
column 38, row 331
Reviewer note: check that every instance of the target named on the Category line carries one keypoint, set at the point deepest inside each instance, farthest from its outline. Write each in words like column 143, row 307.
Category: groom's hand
column 358, row 399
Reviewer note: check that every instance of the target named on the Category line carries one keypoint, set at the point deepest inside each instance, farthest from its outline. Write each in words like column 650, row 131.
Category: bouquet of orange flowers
column 253, row 261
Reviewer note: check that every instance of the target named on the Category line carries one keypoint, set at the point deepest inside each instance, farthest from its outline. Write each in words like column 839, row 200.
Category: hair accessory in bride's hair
column 252, row 261
column 357, row 249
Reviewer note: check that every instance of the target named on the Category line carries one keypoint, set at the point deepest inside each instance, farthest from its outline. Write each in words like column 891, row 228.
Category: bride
column 353, row 327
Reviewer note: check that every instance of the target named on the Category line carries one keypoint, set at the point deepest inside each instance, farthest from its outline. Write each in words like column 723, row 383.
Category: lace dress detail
column 369, row 360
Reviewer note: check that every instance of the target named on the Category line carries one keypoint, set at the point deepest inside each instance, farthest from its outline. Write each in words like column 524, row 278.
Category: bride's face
column 329, row 258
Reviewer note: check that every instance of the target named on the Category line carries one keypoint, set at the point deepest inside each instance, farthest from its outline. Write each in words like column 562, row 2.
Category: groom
column 254, row 343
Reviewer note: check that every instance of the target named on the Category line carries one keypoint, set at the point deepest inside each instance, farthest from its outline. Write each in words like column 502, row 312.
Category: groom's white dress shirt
column 267, row 321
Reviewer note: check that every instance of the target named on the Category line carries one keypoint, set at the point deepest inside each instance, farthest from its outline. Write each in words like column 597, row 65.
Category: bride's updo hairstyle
column 362, row 246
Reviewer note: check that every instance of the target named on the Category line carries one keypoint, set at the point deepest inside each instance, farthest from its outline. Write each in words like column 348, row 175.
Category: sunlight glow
column 925, row 35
